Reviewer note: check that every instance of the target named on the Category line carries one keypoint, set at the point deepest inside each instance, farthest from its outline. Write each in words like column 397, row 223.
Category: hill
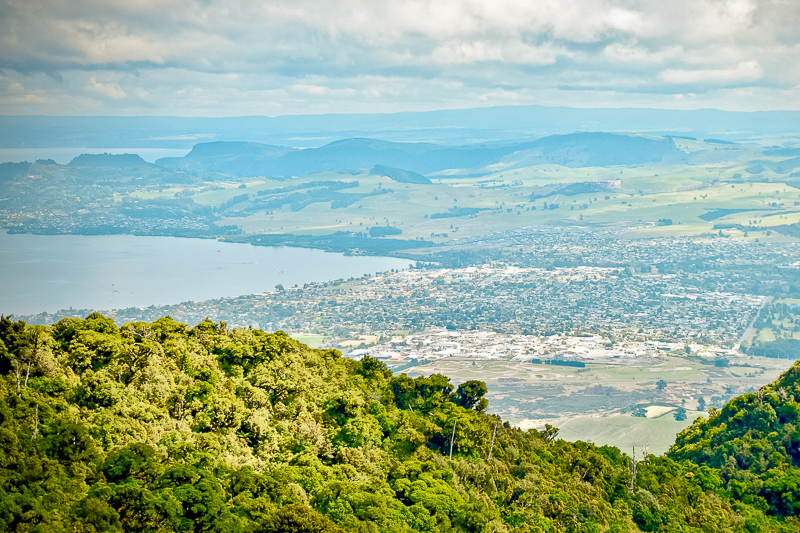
column 755, row 442
column 598, row 149
column 108, row 160
column 237, row 158
column 253, row 159
column 572, row 150
column 162, row 427
column 399, row 175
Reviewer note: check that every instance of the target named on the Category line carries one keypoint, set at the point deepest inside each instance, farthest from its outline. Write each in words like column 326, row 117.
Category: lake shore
column 47, row 273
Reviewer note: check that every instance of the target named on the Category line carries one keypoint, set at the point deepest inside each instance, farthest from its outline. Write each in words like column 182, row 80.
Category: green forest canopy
column 162, row 427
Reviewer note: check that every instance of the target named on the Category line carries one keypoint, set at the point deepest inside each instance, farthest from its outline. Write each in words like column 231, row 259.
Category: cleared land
column 626, row 432
column 595, row 403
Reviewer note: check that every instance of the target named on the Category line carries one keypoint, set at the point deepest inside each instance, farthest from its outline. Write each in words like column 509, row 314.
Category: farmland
column 679, row 187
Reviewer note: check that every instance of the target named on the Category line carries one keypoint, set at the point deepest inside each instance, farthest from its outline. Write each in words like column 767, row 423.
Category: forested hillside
column 162, row 427
column 755, row 442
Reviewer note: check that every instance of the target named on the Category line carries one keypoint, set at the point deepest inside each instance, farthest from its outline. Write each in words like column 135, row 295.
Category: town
column 566, row 350
column 704, row 291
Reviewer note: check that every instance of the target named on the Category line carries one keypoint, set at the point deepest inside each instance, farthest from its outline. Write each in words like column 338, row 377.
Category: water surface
column 47, row 273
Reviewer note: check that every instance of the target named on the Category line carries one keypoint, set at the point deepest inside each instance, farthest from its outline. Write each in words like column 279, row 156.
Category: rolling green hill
column 162, row 427
column 328, row 197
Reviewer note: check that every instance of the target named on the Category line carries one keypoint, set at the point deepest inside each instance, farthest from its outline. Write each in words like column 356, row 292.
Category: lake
column 47, row 273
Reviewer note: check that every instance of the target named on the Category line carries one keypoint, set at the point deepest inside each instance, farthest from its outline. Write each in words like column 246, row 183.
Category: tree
column 298, row 518
column 701, row 404
column 680, row 414
column 136, row 355
column 661, row 385
column 242, row 430
column 404, row 390
column 470, row 395
column 433, row 390
column 32, row 352
column 549, row 433
column 370, row 367
column 782, row 492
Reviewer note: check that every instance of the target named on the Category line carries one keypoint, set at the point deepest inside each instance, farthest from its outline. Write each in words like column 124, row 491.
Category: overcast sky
column 237, row 57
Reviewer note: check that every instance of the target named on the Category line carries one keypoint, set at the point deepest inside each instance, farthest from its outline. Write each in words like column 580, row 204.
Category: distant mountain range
column 447, row 127
column 572, row 150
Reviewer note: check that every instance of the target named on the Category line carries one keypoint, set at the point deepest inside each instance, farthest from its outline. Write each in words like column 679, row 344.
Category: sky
column 237, row 57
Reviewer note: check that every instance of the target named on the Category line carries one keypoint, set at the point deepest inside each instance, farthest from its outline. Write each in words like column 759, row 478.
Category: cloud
column 466, row 52
column 513, row 52
column 747, row 71
column 310, row 89
column 30, row 99
column 292, row 56
column 632, row 53
column 112, row 90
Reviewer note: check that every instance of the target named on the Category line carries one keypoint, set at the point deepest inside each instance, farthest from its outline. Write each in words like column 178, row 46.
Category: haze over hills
column 108, row 161
column 450, row 127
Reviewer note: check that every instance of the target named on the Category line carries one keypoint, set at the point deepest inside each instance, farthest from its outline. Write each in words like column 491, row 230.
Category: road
column 749, row 330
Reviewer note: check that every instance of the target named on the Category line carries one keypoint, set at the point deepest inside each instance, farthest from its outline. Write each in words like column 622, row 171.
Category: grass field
column 625, row 431
column 785, row 322
column 313, row 341
column 647, row 195
column 361, row 339
column 672, row 368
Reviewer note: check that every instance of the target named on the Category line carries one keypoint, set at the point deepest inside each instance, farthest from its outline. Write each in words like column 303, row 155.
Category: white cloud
column 631, row 52
column 112, row 90
column 466, row 52
column 513, row 52
column 29, row 99
column 310, row 89
column 747, row 71
column 295, row 55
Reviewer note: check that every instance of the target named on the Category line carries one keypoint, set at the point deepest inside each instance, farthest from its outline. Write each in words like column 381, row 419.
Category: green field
column 625, row 431
column 312, row 341
column 646, row 195
column 672, row 368
column 778, row 321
